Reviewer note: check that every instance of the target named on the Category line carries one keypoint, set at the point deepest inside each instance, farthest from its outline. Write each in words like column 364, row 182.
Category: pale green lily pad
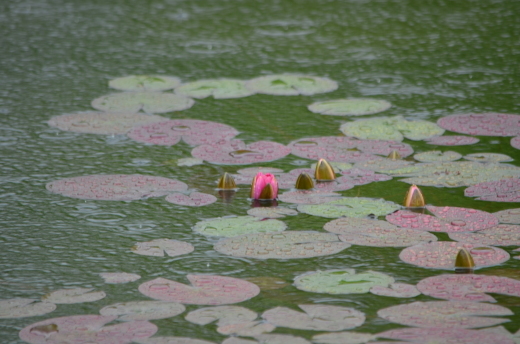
column 20, row 308
column 247, row 329
column 291, row 85
column 350, row 207
column 74, row 295
column 149, row 102
column 235, row 226
column 218, row 88
column 143, row 310
column 144, row 83
column 382, row 164
column 223, row 315
column 435, row 155
column 352, row 107
column 341, row 281
column 271, row 212
column 488, row 157
column 391, row 128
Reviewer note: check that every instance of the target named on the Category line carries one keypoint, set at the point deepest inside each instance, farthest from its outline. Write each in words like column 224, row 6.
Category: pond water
column 429, row 59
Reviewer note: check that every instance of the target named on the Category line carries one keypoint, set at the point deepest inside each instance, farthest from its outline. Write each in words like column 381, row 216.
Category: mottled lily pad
column 149, row 102
column 402, row 290
column 484, row 124
column 218, row 88
column 350, row 207
column 391, row 128
column 350, row 107
column 500, row 235
column 452, row 140
column 159, row 247
column 173, row 340
column 116, row 187
column 515, row 142
column 119, row 277
column 347, row 337
column 441, row 254
column 194, row 199
column 316, row 317
column 144, row 83
column 74, row 295
column 509, row 216
column 505, row 190
column 445, row 314
column 246, row 329
column 291, row 85
column 205, row 290
column 223, row 315
column 21, row 308
column 308, row 196
column 271, row 212
column 432, row 156
column 367, row 232
column 444, row 335
column 285, row 245
column 488, row 157
column 382, row 164
column 234, row 226
column 143, row 310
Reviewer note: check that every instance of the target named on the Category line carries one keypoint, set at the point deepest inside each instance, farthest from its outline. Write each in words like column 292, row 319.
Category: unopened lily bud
column 414, row 198
column 324, row 171
column 304, row 182
column 394, row 155
column 226, row 182
column 264, row 187
column 464, row 261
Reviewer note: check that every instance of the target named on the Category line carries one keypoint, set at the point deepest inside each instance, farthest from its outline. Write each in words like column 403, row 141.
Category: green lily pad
column 143, row 310
column 488, row 157
column 391, row 128
column 382, row 164
column 246, row 329
column 74, row 295
column 119, row 277
column 20, row 308
column 160, row 247
column 350, row 207
column 149, row 102
column 352, row 107
column 223, row 315
column 144, row 83
column 271, row 212
column 433, row 156
column 218, row 88
column 403, row 290
column 234, row 226
column 189, row 162
column 291, row 85
column 344, row 281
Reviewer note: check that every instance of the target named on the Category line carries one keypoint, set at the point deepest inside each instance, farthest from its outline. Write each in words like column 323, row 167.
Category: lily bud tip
column 226, row 182
column 394, row 155
column 464, row 260
column 414, row 198
column 324, row 171
column 304, row 182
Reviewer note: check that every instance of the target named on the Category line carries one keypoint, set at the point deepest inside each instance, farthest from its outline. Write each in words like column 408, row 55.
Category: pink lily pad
column 308, row 196
column 236, row 152
column 149, row 102
column 194, row 199
column 468, row 287
column 402, row 290
column 367, row 232
column 442, row 254
column 86, row 329
column 484, row 124
column 445, row 219
column 173, row 340
column 509, row 216
column 291, row 85
column 74, row 295
column 144, row 83
column 271, row 212
column 499, row 235
column 205, row 290
column 119, row 277
column 505, row 190
column 115, row 187
column 316, row 317
column 143, row 310
column 20, row 308
column 452, row 140
column 159, row 247
column 223, row 315
column 445, row 335
column 358, row 176
column 347, row 337
column 515, row 142
column 193, row 132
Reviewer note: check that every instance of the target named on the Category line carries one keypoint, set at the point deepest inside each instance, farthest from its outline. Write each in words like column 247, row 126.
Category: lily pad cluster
column 504, row 190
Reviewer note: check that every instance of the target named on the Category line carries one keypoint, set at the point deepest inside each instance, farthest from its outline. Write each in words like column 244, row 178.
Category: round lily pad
column 515, row 142
column 452, row 140
column 174, row 340
column 432, row 156
column 143, row 310
column 347, row 337
column 367, row 232
column 488, row 157
column 445, row 219
column 352, row 107
column 285, row 245
column 499, row 235
column 218, row 88
column 444, row 335
column 149, row 102
column 308, row 196
column 382, row 164
column 236, row 152
column 391, row 128
column 445, row 314
column 350, row 207
column 74, row 295
column 223, row 315
column 509, row 216
column 159, row 247
column 505, row 190
column 115, row 187
column 403, row 290
column 345, row 281
column 271, row 212
column 484, row 124
column 144, row 83
column 119, row 277
column 194, row 199
column 193, row 132
column 20, row 308
column 205, row 290
column 246, row 329
column 291, row 85
column 234, row 226
column 316, row 317
column 442, row 254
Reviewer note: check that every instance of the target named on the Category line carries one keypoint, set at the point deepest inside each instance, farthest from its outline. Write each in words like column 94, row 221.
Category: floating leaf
column 173, row 340
column 223, row 315
column 316, row 317
column 347, row 337
column 275, row 339
column 205, row 290
column 194, row 199
column 505, row 190
column 382, row 164
column 115, row 187
column 500, row 235
column 234, row 226
column 144, row 83
column 444, row 335
column 488, row 157
column 515, row 142
column 350, row 207
column 143, row 310
column 433, row 156
column 509, row 216
column 352, row 107
column 285, row 245
column 308, row 196
column 391, row 128
column 149, row 102
column 218, row 88
column 452, row 140
column 74, row 295
column 271, row 212
column 21, row 308
column 159, row 247
column 267, row 282
column 291, row 85
column 484, row 124
column 246, row 329
column 189, row 162
column 119, row 277
column 403, row 290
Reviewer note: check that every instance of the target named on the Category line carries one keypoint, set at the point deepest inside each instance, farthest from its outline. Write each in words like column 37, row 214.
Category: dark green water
column 429, row 58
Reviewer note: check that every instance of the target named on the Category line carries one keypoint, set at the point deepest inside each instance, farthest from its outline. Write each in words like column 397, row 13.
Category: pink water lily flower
column 264, row 186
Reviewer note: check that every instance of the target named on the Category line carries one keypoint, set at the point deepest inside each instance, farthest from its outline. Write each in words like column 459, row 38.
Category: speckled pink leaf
column 194, row 199
column 445, row 336
column 515, row 142
column 116, row 187
column 499, row 235
column 159, row 247
column 452, row 140
column 20, row 308
column 403, row 290
column 484, row 124
column 143, row 310
column 119, row 277
column 74, row 295
column 505, row 190
column 445, row 219
column 205, row 290
column 308, row 196
column 509, row 216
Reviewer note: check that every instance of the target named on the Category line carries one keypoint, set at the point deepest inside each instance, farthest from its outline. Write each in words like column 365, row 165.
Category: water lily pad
column 246, row 329
column 382, row 164
column 149, row 102
column 271, row 212
column 432, row 156
column 308, row 196
column 194, row 199
column 345, row 281
column 268, row 282
column 441, row 254
column 205, row 290
column 368, row 232
column 74, row 295
column 445, row 314
column 218, row 88
column 270, row 339
column 403, row 290
column 115, row 187
column 505, row 190
column 223, row 315
column 21, row 308
column 484, row 124
column 445, row 219
column 159, row 247
column 86, row 329
column 104, row 123
column 444, row 335
column 173, row 340
column 350, row 207
column 291, row 85
column 143, row 310
column 189, row 162
column 452, row 140
column 347, row 337
column 352, row 107
column 234, row 226
column 144, row 83
column 515, row 142
column 391, row 128
column 119, row 277
column 285, row 245
column 500, row 235
column 509, row 216
column 236, row 152
column 488, row 157
column 316, row 317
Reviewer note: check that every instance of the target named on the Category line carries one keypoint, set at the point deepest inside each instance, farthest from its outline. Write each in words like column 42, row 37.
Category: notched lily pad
column 509, row 216
column 350, row 207
column 21, row 308
column 159, row 247
column 218, row 88
column 291, row 85
column 505, row 190
column 350, row 107
column 74, row 295
column 143, row 310
column 452, row 140
column 145, row 83
column 234, row 226
column 499, row 235
column 149, row 102
column 194, row 199
column 119, row 277
column 271, row 212
column 484, row 124
column 433, row 156
column 444, row 335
